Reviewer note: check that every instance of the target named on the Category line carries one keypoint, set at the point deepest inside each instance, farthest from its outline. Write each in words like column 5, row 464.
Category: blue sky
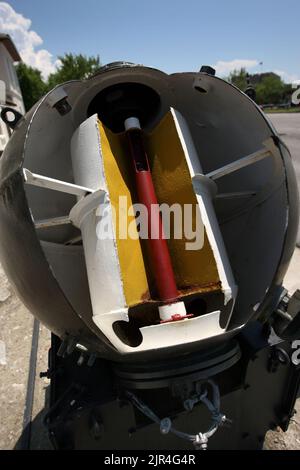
column 172, row 35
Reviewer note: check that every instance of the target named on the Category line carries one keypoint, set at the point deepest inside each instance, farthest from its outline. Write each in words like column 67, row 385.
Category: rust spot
column 198, row 300
column 145, row 296
column 203, row 289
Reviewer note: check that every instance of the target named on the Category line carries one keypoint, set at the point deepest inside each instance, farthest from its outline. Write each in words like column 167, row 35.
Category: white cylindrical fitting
column 132, row 123
column 167, row 311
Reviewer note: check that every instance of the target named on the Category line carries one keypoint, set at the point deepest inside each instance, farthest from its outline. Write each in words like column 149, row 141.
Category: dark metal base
column 189, row 368
column 89, row 410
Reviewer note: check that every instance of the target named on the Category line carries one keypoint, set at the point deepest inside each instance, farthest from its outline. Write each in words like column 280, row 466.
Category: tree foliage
column 71, row 67
column 238, row 78
column 31, row 83
column 269, row 87
column 271, row 90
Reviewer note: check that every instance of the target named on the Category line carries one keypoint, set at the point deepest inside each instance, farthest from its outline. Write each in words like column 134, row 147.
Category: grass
column 296, row 109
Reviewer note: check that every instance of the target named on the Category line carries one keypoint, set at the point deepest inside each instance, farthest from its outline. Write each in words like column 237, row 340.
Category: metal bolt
column 165, row 425
column 80, row 360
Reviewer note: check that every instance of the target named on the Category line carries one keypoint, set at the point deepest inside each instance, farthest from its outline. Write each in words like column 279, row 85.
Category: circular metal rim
column 193, row 367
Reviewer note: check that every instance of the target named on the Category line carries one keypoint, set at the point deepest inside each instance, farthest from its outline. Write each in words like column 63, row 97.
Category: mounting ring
column 9, row 120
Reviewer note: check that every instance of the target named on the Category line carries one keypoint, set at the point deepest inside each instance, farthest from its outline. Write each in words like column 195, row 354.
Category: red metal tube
column 159, row 252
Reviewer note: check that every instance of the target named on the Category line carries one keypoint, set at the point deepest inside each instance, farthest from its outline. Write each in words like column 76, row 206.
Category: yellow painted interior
column 173, row 185
column 129, row 250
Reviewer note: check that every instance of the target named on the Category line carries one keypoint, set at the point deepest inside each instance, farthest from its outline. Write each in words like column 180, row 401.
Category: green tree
column 271, row 90
column 73, row 67
column 238, row 78
column 31, row 84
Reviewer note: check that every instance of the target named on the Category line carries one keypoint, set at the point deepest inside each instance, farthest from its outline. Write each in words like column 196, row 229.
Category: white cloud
column 287, row 77
column 224, row 67
column 26, row 40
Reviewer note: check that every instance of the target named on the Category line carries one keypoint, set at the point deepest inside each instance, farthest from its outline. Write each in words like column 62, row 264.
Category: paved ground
column 15, row 344
column 288, row 127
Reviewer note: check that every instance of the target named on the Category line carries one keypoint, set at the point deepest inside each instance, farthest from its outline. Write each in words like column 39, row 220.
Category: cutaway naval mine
column 155, row 310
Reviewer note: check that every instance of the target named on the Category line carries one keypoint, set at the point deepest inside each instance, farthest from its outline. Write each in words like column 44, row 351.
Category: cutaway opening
column 109, row 166
column 116, row 103
column 196, row 272
column 194, row 269
column 146, row 314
